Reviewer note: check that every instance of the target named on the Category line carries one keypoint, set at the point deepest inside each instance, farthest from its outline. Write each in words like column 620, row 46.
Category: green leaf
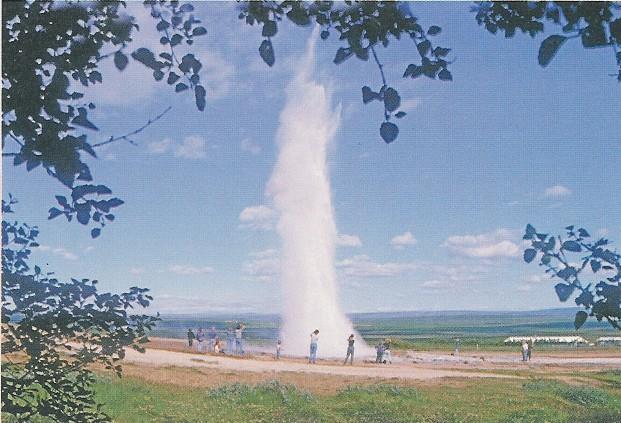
column 399, row 115
column 434, row 30
column 162, row 25
column 199, row 30
column 267, row 52
column 82, row 119
column 583, row 233
column 392, row 100
column 529, row 255
column 445, row 75
column 594, row 36
column 298, row 15
column 199, row 93
column 563, row 291
column 423, row 47
column 581, row 317
column 342, row 54
column 549, row 47
column 369, row 95
column 389, row 132
column 172, row 78
column 595, row 266
column 529, row 232
column 615, row 30
column 269, row 29
column 572, row 246
column 120, row 60
column 54, row 212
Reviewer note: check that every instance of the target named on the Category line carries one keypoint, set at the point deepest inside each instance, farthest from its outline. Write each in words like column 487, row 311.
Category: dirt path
column 404, row 370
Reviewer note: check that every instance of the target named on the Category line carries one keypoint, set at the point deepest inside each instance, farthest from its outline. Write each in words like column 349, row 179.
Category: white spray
column 300, row 187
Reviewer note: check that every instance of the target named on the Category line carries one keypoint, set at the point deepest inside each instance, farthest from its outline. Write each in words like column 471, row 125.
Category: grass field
column 460, row 400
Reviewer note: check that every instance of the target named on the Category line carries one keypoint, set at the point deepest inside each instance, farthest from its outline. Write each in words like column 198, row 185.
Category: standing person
column 380, row 352
column 530, row 348
column 190, row 338
column 387, row 356
column 457, row 346
column 524, row 350
column 212, row 339
column 312, row 358
column 278, row 348
column 350, row 350
column 239, row 341
column 200, row 338
column 230, row 339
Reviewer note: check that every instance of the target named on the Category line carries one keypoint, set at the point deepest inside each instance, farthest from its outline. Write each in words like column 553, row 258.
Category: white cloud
column 362, row 266
column 435, row 285
column 524, row 288
column 160, row 147
column 401, row 241
column 249, row 146
column 216, row 74
column 409, row 104
column 192, row 147
column 137, row 270
column 532, row 282
column 184, row 269
column 263, row 267
column 197, row 304
column 556, row 191
column 270, row 252
column 59, row 251
column 488, row 245
column 344, row 240
column 257, row 217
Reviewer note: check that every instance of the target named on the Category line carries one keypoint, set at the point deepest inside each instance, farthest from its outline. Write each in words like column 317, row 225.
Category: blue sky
column 430, row 222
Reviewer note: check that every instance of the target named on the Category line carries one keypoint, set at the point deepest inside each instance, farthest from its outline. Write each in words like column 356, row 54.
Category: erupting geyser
column 300, row 187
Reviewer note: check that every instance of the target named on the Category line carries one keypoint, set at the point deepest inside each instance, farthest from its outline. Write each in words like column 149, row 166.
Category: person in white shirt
column 312, row 358
column 524, row 350
column 239, row 344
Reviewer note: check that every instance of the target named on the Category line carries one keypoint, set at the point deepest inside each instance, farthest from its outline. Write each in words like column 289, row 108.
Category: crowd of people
column 211, row 342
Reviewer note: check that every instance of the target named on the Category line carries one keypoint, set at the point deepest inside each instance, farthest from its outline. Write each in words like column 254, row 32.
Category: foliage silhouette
column 362, row 25
column 597, row 24
column 601, row 299
column 52, row 330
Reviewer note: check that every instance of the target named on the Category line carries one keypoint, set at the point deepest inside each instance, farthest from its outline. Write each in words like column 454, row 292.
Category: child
column 278, row 347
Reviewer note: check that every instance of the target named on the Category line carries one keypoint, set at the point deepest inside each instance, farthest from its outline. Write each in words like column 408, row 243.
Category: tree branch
column 379, row 65
column 134, row 132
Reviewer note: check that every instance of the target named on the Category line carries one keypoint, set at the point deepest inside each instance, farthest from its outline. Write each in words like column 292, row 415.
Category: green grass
column 492, row 400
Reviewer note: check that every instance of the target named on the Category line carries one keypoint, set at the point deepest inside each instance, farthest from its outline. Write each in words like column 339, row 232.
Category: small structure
column 609, row 340
column 571, row 340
